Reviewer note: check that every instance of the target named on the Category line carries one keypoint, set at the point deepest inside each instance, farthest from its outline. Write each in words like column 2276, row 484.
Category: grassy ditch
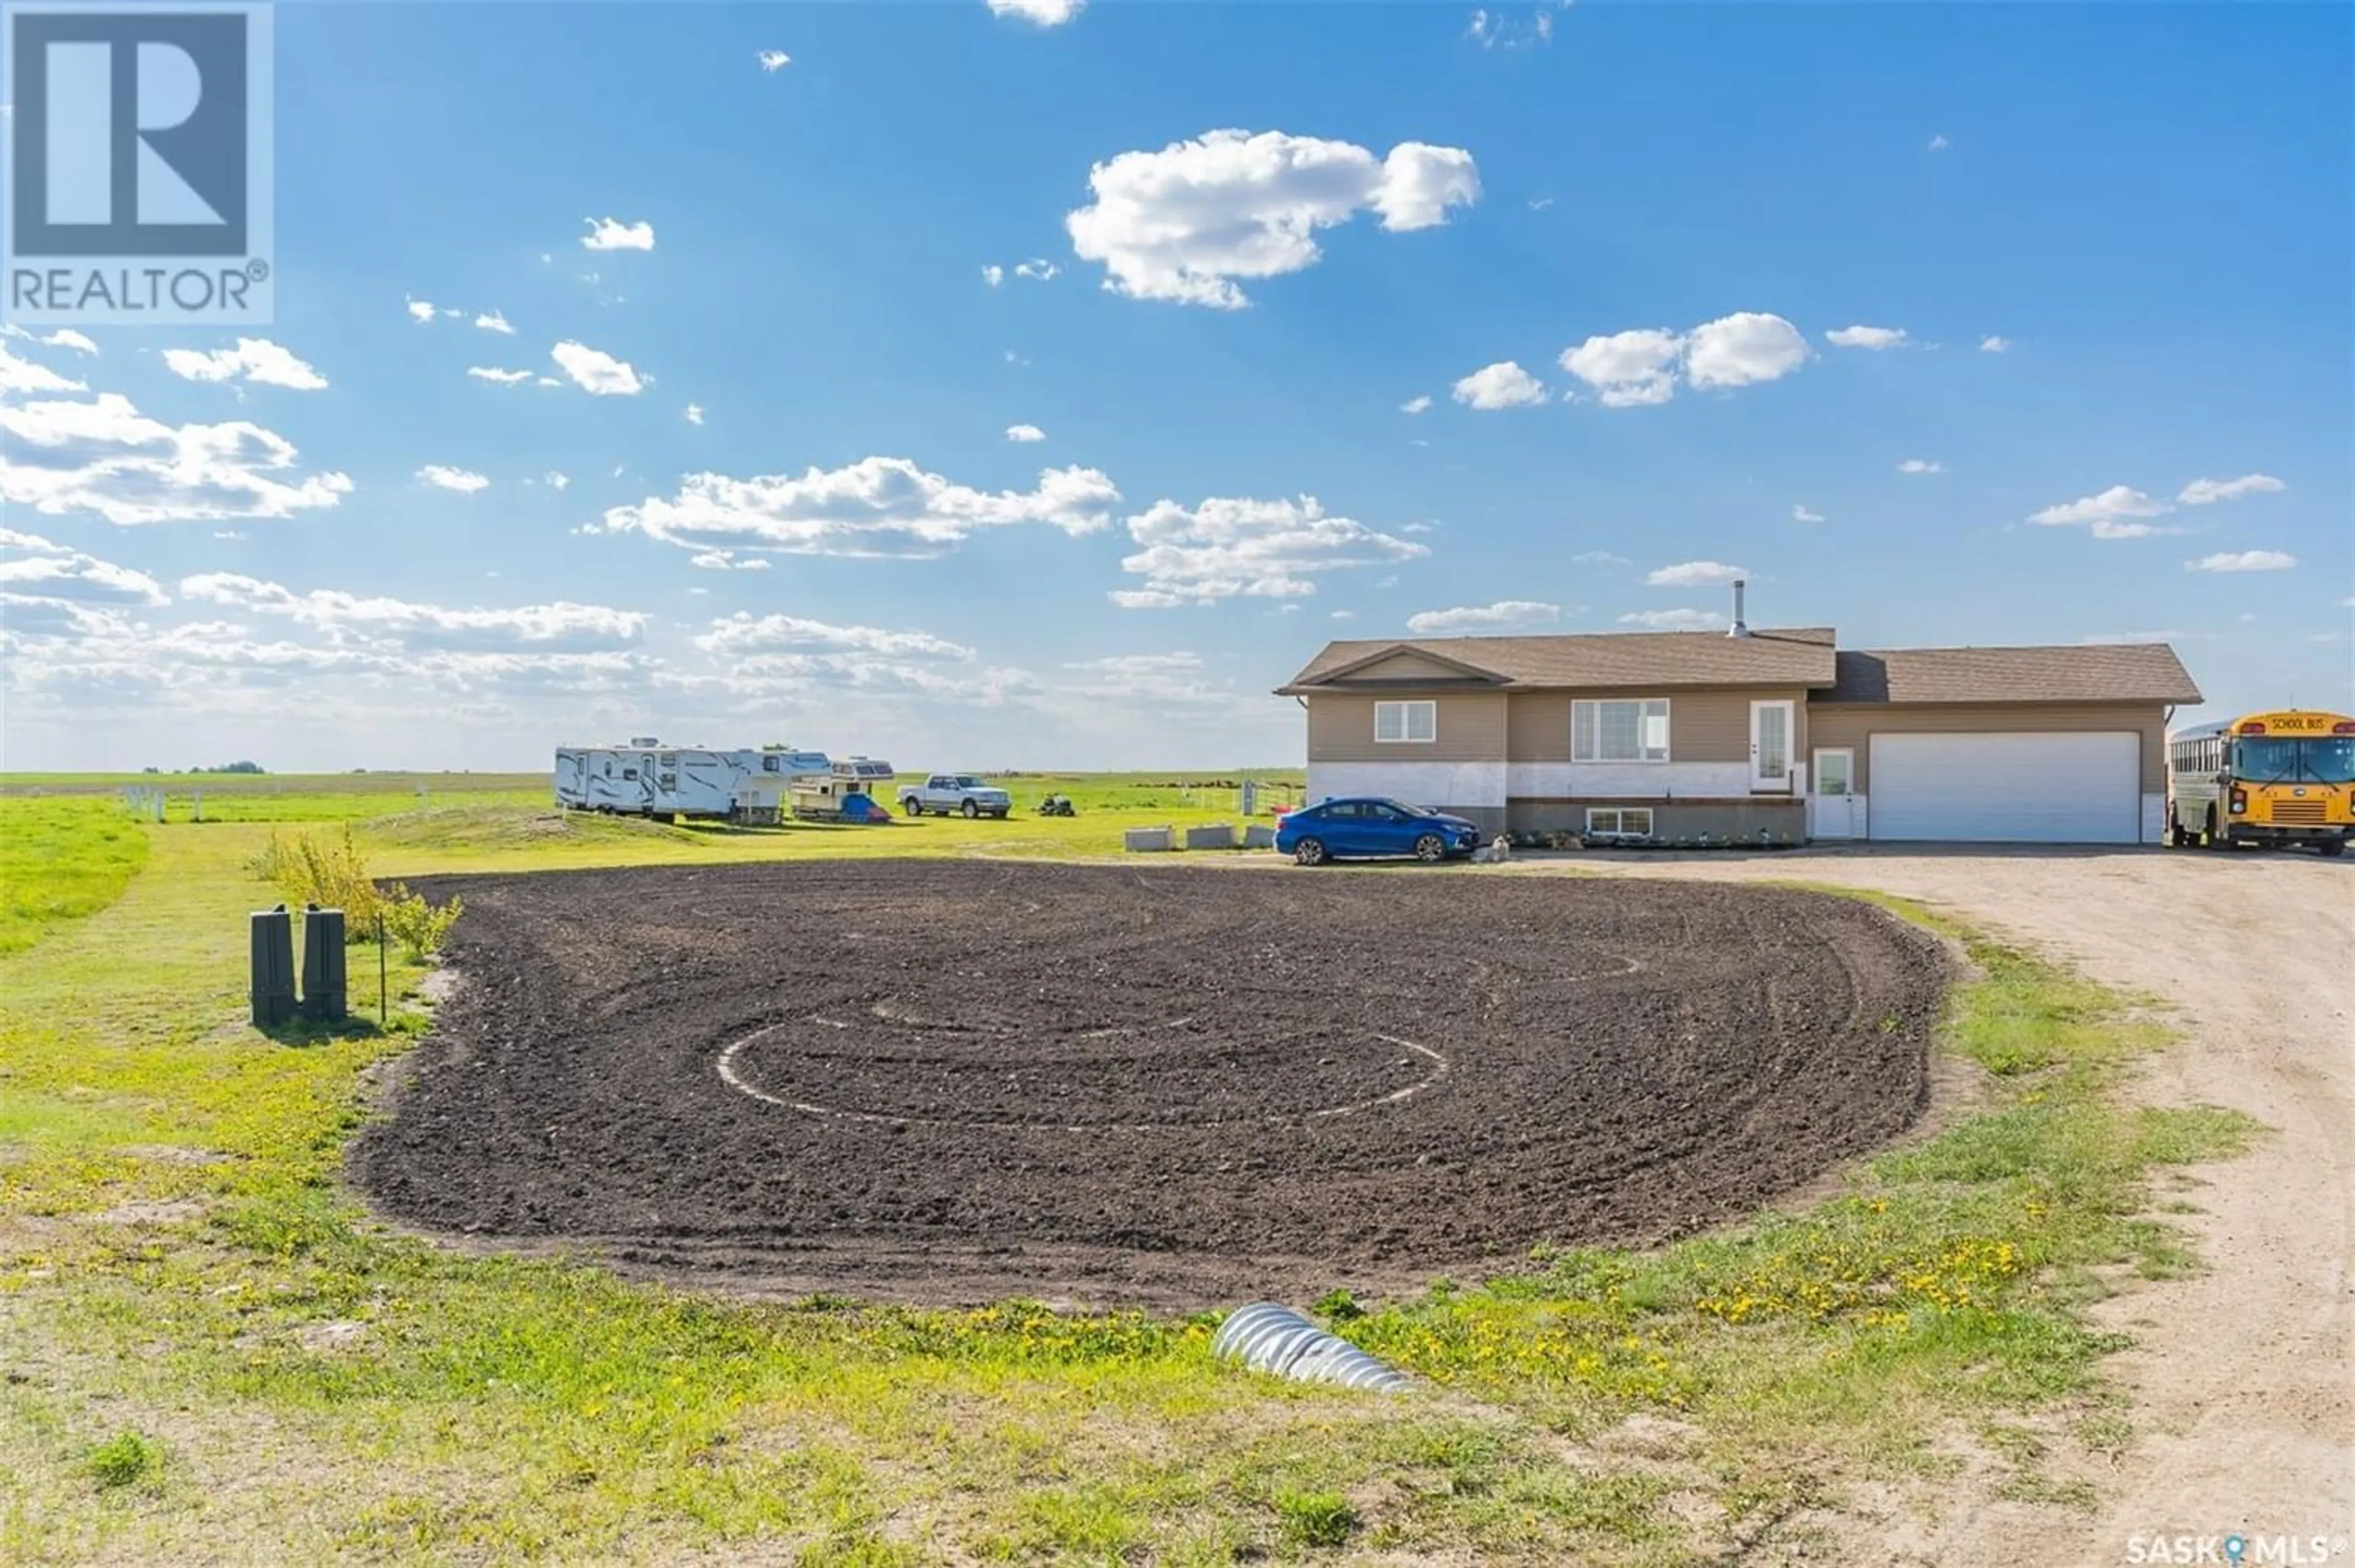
column 214, row 1352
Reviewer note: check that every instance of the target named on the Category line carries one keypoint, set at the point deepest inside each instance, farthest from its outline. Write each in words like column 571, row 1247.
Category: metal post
column 383, row 1019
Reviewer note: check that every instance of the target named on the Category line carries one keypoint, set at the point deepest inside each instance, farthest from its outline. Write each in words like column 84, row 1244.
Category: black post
column 272, row 983
column 383, row 1019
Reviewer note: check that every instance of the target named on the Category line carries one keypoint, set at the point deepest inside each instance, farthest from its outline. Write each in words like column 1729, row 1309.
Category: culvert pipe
column 1267, row 1338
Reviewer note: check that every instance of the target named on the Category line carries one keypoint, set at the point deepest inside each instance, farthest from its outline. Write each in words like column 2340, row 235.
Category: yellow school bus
column 2267, row 779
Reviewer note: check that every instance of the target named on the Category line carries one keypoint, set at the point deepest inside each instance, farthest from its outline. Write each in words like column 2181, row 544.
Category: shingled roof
column 1791, row 656
column 2122, row 672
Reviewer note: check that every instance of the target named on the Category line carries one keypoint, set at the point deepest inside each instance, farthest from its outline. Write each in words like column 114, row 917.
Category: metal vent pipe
column 1267, row 1338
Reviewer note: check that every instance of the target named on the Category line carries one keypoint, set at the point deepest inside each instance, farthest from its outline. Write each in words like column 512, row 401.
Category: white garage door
column 2018, row 789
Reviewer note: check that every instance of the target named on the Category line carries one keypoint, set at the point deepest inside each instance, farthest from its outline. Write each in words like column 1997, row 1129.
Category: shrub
column 330, row 871
column 1316, row 1518
column 417, row 925
column 126, row 1459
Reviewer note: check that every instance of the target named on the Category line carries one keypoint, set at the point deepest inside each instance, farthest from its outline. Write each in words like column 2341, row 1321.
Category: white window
column 1618, row 822
column 1417, row 721
column 1634, row 730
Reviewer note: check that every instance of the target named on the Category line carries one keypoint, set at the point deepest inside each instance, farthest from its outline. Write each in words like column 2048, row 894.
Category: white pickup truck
column 964, row 793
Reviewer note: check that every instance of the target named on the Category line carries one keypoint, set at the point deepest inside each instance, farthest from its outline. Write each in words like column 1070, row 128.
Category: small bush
column 330, row 871
column 126, row 1459
column 1337, row 1306
column 417, row 925
column 1316, row 1518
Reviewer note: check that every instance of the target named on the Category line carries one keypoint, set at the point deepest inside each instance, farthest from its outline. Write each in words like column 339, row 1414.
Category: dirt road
column 2244, row 1391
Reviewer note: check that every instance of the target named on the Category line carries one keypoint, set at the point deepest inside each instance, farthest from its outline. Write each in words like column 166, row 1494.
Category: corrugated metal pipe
column 1267, row 1338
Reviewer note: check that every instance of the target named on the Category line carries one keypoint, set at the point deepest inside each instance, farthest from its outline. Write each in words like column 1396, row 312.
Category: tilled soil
column 954, row 1082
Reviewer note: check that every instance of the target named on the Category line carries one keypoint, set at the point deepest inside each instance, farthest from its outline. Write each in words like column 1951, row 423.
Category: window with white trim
column 1618, row 822
column 1634, row 730
column 1416, row 721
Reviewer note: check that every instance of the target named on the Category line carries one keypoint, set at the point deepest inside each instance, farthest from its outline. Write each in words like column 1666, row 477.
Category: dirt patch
column 954, row 1082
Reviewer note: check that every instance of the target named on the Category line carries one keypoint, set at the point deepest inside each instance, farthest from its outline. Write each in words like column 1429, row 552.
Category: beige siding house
column 1778, row 734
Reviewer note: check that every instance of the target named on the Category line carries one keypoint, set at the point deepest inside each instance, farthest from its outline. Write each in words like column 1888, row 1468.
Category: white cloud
column 1503, row 612
column 1025, row 433
column 725, row 560
column 462, row 480
column 1873, row 337
column 106, row 457
column 1599, row 557
column 2116, row 502
column 1920, row 465
column 501, row 378
column 1741, row 348
column 63, row 337
column 594, row 370
column 343, row 614
column 1504, row 385
column 493, row 321
column 420, row 311
column 774, row 60
column 1938, row 142
column 1415, row 405
column 556, row 479
column 1674, row 620
column 255, row 359
column 2206, row 492
column 877, row 506
column 742, row 634
column 1345, row 614
column 612, row 234
column 1233, row 546
column 1494, row 29
column 1184, row 222
column 695, row 413
column 1038, row 270
column 1991, row 344
column 1628, row 368
column 1040, row 12
column 1800, row 514
column 57, row 574
column 18, row 376
column 993, row 274
column 1694, row 574
column 2244, row 561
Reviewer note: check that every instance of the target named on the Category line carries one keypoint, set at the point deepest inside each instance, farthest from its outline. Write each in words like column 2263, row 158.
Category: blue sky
column 1676, row 282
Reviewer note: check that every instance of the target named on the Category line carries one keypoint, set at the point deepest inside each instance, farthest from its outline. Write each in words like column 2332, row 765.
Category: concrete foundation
column 1141, row 840
column 1777, row 819
column 1218, row 836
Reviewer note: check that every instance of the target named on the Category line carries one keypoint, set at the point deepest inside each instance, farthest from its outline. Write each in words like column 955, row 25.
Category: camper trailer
column 645, row 778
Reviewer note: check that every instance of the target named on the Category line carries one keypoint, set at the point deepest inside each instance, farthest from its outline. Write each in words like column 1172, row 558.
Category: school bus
column 2266, row 779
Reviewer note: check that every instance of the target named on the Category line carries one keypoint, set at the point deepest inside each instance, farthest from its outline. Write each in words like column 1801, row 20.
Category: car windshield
column 2317, row 761
column 966, row 780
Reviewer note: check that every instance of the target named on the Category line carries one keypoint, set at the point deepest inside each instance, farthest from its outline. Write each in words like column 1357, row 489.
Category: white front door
column 1770, row 747
column 1831, row 809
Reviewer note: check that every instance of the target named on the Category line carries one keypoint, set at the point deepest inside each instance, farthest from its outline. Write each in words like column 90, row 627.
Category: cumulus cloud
column 725, row 560
column 594, row 370
column 556, row 479
column 1228, row 547
column 1694, row 574
column 774, row 60
column 1920, row 465
column 420, row 311
column 343, row 614
column 2104, row 513
column 1628, row 368
column 1415, row 405
column 255, row 359
column 1494, row 29
column 695, row 413
column 2244, row 561
column 1687, row 620
column 106, row 457
column 876, row 506
column 1038, row 270
column 1800, row 514
column 1745, row 347
column 1503, row 612
column 19, row 376
column 742, row 635
column 57, row 574
column 612, row 234
column 497, row 377
column 2207, row 492
column 1873, row 337
column 1039, row 13
column 993, row 274
column 493, row 321
column 462, row 480
column 1504, row 385
column 1025, row 433
column 1184, row 223
column 1991, row 344
column 1938, row 142
column 63, row 337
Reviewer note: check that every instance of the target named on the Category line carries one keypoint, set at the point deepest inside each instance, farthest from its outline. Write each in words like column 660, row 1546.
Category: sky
column 1026, row 383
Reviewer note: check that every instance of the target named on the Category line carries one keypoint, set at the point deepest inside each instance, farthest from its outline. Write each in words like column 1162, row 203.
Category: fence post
column 383, row 1019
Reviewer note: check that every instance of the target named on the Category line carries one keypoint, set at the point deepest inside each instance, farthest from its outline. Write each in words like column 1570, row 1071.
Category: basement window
column 1631, row 730
column 1618, row 822
column 1405, row 721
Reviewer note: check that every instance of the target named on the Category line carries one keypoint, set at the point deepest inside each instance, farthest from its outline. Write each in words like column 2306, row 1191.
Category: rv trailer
column 645, row 778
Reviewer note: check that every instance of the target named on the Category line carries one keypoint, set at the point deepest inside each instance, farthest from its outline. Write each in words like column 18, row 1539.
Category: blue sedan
column 1332, row 829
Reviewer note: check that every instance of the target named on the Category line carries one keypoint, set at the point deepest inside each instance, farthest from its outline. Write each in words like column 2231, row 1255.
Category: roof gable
column 1785, row 657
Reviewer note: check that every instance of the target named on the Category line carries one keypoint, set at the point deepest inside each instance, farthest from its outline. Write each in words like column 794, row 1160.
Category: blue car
column 1370, row 825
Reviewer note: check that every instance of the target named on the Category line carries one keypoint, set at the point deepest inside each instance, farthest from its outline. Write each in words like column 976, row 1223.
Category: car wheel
column 1309, row 852
column 1431, row 848
column 970, row 810
column 908, row 806
column 2330, row 846
column 2217, row 837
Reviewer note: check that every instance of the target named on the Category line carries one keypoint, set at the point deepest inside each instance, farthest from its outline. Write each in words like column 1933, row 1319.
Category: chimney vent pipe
column 1741, row 628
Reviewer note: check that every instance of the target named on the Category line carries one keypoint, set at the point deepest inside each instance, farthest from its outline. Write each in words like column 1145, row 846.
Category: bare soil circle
column 954, row 1080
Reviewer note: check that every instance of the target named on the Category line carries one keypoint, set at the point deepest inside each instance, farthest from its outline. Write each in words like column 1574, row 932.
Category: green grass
column 194, row 1302
column 60, row 860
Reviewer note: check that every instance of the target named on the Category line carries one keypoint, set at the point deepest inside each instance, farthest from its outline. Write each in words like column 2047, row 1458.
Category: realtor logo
column 139, row 164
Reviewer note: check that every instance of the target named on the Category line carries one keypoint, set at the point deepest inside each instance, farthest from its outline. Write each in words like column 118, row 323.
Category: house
column 1780, row 732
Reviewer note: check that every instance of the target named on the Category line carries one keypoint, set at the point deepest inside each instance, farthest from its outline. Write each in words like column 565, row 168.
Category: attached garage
column 2014, row 788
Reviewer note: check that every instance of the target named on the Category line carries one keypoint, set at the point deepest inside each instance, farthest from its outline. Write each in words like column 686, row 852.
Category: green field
column 214, row 1353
